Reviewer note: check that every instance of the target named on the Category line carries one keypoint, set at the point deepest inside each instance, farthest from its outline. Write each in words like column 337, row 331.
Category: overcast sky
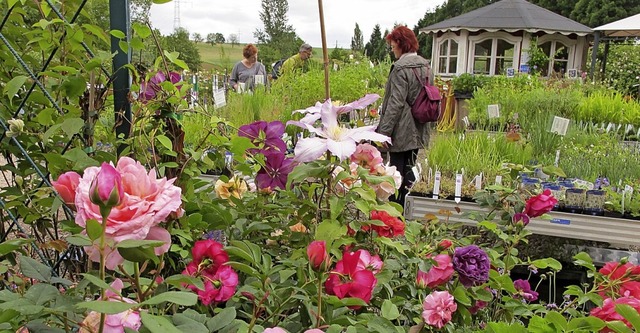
column 242, row 17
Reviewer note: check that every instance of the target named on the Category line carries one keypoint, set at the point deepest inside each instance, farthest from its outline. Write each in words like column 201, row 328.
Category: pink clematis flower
column 340, row 141
column 313, row 113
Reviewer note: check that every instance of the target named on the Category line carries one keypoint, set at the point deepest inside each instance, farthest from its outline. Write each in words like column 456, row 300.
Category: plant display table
column 623, row 232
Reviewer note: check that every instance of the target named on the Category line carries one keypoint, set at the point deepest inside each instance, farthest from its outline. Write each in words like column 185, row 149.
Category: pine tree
column 278, row 39
column 357, row 42
column 376, row 47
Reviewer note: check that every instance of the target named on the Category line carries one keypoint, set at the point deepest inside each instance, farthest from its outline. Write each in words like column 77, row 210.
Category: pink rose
column 540, row 204
column 385, row 189
column 66, row 186
column 367, row 261
column 275, row 330
column 106, row 187
column 441, row 272
column 366, row 156
column 114, row 322
column 317, row 254
column 220, row 287
column 147, row 201
column 438, row 308
column 607, row 311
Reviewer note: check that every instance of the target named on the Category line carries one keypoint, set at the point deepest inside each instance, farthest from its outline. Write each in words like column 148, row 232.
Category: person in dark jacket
column 396, row 121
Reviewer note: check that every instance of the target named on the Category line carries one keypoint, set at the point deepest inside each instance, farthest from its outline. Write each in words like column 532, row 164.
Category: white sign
column 436, row 186
column 259, row 79
column 498, row 180
column 493, row 110
column 219, row 98
column 479, row 181
column 511, row 72
column 240, row 88
column 465, row 120
column 458, row 193
column 560, row 125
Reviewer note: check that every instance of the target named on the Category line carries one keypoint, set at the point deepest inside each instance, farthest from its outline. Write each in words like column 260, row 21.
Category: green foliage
column 623, row 70
column 357, row 42
column 376, row 48
column 179, row 41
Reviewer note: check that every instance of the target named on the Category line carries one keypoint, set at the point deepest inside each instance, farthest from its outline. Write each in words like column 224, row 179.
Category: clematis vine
column 313, row 113
column 340, row 141
column 264, row 135
column 150, row 89
column 275, row 171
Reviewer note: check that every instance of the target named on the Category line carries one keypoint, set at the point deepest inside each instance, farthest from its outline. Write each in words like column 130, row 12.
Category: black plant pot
column 462, row 95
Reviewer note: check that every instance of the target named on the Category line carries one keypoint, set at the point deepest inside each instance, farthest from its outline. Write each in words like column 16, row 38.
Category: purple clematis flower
column 149, row 89
column 275, row 171
column 524, row 290
column 264, row 135
column 340, row 141
column 313, row 113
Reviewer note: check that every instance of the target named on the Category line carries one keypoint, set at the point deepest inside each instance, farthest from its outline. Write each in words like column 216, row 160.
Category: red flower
column 212, row 250
column 392, row 227
column 607, row 311
column 220, row 287
column 444, row 244
column 540, row 204
column 318, row 257
column 620, row 280
column 347, row 280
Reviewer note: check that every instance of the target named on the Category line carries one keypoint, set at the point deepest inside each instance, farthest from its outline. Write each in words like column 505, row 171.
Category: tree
column 220, row 38
column 357, row 42
column 376, row 47
column 197, row 38
column 595, row 13
column 179, row 41
column 278, row 39
column 211, row 38
column 233, row 39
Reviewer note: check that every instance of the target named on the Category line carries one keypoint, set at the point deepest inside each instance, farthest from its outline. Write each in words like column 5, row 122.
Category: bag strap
column 415, row 72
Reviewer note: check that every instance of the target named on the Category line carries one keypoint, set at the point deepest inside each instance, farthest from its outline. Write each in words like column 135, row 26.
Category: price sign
column 560, row 125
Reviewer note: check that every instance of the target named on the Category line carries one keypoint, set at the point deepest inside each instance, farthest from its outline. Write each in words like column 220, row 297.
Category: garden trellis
column 51, row 103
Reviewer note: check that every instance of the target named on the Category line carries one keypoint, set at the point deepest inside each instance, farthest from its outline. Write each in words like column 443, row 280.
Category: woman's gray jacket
column 401, row 90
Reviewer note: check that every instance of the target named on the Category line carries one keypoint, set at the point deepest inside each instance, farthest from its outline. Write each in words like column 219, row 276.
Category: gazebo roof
column 511, row 16
column 627, row 27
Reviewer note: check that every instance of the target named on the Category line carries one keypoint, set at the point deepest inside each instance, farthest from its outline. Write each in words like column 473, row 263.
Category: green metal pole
column 119, row 20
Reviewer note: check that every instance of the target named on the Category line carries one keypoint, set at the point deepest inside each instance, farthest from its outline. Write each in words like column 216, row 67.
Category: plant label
column 436, row 185
column 557, row 161
column 335, row 66
column 628, row 190
column 465, row 120
column 559, row 125
column 259, row 79
column 610, row 126
column 628, row 129
column 416, row 173
column 511, row 72
column 493, row 111
column 219, row 98
column 498, row 180
column 458, row 193
column 479, row 182
column 572, row 73
column 241, row 87
column 228, row 158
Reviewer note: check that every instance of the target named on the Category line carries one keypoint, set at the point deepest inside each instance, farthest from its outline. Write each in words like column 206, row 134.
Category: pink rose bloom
column 366, row 156
column 66, row 186
column 540, row 204
column 314, row 330
column 114, row 323
column 607, row 311
column 275, row 330
column 220, row 287
column 441, row 272
column 386, row 189
column 438, row 308
column 367, row 261
column 147, row 202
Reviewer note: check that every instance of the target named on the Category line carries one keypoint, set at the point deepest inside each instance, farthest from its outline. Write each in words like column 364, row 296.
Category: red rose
column 444, row 244
column 392, row 227
column 318, row 257
column 607, row 311
column 540, row 204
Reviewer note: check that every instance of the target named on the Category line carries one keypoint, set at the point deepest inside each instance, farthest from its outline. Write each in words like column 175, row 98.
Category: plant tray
column 616, row 231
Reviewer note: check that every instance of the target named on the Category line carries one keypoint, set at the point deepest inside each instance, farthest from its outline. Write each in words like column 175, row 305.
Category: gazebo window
column 558, row 54
column 448, row 57
column 493, row 56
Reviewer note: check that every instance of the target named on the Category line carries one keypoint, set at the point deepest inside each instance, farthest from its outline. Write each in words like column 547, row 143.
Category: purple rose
column 524, row 290
column 472, row 265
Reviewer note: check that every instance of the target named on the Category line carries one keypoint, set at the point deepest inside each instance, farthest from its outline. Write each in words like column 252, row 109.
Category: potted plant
column 464, row 85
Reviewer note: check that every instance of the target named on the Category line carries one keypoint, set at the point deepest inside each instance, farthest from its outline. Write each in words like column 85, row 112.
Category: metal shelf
column 567, row 225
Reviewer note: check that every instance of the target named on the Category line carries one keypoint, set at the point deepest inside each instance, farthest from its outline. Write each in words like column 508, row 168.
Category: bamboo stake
column 325, row 53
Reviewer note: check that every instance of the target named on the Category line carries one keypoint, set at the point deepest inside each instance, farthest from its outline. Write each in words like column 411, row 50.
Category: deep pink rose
column 219, row 287
column 348, row 280
column 147, row 202
column 317, row 254
column 441, row 272
column 607, row 311
column 106, row 187
column 438, row 308
column 367, row 261
column 540, row 204
column 66, row 186
column 211, row 250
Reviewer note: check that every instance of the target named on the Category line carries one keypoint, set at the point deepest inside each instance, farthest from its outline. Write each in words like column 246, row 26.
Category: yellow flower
column 235, row 187
column 298, row 227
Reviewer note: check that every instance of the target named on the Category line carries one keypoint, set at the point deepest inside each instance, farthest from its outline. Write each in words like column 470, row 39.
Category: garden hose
column 448, row 120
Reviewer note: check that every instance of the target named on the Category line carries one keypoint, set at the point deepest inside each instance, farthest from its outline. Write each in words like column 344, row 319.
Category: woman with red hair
column 244, row 72
column 396, row 121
